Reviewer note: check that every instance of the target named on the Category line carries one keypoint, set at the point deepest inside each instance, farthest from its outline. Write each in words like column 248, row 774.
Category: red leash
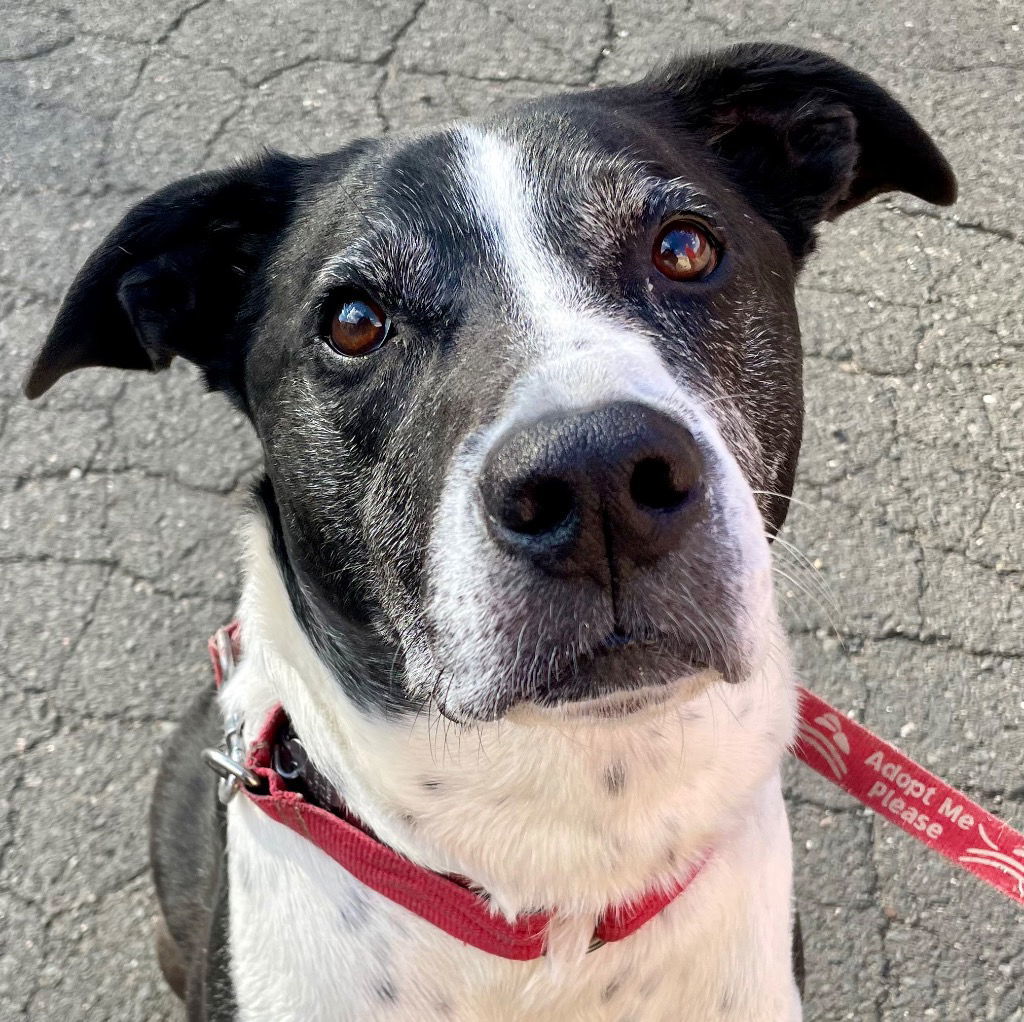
column 903, row 792
column 840, row 749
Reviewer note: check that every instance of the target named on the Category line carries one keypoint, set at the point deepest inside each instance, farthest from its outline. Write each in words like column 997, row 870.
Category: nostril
column 539, row 506
column 652, row 487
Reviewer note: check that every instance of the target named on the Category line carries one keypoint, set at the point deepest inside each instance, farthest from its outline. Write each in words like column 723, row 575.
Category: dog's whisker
column 804, row 567
column 812, row 597
column 784, row 496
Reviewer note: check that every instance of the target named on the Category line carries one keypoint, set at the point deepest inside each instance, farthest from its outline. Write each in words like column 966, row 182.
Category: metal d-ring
column 229, row 763
column 231, row 773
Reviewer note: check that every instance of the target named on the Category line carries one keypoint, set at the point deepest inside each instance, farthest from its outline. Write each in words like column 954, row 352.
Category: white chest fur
column 310, row 944
column 568, row 819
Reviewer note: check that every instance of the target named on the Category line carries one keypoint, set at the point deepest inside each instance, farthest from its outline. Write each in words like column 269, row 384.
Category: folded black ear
column 805, row 136
column 171, row 277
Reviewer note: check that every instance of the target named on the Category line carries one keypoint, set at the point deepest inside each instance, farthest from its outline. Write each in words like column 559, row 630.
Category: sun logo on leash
column 827, row 738
column 995, row 859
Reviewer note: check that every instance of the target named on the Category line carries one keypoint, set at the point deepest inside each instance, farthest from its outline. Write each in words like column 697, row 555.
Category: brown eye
column 684, row 251
column 358, row 326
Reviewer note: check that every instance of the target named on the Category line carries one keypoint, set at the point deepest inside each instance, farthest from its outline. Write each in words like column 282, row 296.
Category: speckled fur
column 524, row 809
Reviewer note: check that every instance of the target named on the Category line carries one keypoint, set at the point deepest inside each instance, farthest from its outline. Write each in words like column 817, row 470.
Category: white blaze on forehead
column 544, row 288
column 581, row 353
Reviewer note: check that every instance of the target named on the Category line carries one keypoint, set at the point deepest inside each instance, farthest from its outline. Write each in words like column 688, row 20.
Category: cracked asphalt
column 118, row 496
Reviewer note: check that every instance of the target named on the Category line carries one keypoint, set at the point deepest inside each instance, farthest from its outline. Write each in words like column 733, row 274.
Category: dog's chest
column 309, row 943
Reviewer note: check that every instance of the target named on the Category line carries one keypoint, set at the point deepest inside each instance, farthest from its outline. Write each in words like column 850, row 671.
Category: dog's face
column 529, row 390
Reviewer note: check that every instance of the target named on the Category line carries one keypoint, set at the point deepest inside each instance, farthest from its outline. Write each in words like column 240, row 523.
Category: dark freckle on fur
column 648, row 986
column 615, row 778
column 609, row 991
column 442, row 1007
column 386, row 991
column 671, row 858
column 355, row 911
column 409, row 820
column 431, row 783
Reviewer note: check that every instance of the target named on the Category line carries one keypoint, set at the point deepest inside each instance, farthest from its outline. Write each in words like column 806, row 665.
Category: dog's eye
column 683, row 250
column 357, row 325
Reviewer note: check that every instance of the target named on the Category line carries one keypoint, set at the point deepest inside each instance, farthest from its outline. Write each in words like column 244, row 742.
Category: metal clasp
column 229, row 763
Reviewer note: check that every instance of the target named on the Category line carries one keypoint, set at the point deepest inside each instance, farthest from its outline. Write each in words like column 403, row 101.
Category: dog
column 529, row 395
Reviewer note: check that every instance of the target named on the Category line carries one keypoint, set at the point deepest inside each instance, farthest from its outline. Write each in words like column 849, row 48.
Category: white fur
column 523, row 808
column 699, row 774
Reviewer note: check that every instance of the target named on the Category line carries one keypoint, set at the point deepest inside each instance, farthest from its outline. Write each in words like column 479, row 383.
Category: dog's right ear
column 172, row 277
column 805, row 137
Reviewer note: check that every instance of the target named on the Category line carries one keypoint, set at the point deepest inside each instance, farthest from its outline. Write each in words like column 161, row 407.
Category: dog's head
column 529, row 390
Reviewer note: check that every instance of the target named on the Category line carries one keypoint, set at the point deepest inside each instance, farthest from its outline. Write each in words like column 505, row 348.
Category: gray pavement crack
column 180, row 20
column 850, row 809
column 41, row 51
column 876, row 894
column 234, row 480
column 992, row 65
column 220, row 129
column 487, row 79
column 859, row 367
column 116, row 567
column 542, row 41
column 946, row 642
column 49, row 733
column 385, row 63
column 870, row 296
column 976, row 227
column 607, row 45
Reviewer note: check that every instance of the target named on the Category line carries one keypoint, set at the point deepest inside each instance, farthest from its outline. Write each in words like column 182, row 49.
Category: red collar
column 445, row 901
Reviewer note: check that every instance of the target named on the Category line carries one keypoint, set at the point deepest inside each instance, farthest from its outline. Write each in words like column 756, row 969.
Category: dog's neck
column 571, row 818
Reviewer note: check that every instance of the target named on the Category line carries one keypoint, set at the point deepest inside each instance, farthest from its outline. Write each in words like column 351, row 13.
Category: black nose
column 597, row 493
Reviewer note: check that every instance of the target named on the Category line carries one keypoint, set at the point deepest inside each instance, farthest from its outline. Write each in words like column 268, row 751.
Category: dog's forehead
column 563, row 152
column 577, row 173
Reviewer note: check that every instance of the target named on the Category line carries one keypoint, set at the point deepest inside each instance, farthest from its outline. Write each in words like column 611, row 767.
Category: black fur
column 805, row 136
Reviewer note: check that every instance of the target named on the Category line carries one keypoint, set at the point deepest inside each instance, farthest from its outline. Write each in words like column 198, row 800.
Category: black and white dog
column 529, row 393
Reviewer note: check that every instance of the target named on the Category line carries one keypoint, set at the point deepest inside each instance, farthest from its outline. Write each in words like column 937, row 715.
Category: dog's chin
column 616, row 682
column 632, row 704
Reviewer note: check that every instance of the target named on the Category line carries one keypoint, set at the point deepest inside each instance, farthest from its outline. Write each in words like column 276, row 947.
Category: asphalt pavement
column 119, row 496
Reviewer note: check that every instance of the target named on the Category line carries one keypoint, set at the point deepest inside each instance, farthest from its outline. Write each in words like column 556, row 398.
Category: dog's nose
column 597, row 493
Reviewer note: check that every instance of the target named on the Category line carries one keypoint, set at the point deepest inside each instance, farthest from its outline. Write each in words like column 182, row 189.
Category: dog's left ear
column 173, row 277
column 804, row 136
